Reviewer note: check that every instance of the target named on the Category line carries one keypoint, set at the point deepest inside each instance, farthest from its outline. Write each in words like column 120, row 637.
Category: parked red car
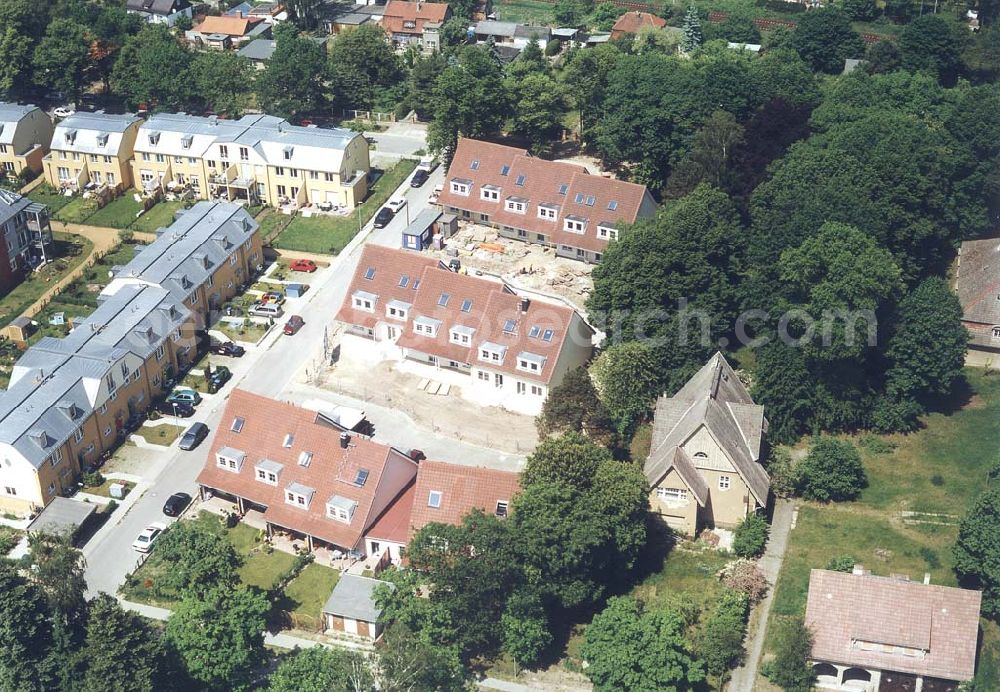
column 293, row 324
column 302, row 265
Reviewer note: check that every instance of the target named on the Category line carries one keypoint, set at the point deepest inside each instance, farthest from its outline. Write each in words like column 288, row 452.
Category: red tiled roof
column 491, row 304
column 631, row 22
column 390, row 266
column 940, row 624
column 330, row 472
column 544, row 182
column 231, row 26
column 394, row 523
column 462, row 488
column 398, row 12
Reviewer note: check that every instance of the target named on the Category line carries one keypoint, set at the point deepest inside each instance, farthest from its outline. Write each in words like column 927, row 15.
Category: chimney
column 927, row 578
column 525, row 303
column 859, row 570
column 345, row 440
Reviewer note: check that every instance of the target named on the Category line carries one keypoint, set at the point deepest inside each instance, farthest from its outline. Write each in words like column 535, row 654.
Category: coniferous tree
column 692, row 38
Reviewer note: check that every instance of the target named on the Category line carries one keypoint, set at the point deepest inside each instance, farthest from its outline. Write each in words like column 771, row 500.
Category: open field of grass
column 119, row 213
column 525, row 11
column 938, row 470
column 158, row 216
column 330, row 234
column 306, row 595
column 71, row 251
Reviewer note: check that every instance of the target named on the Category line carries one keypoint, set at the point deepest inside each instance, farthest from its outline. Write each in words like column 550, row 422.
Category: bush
column 110, row 507
column 751, row 536
column 553, row 47
column 721, row 642
column 832, row 471
column 92, row 479
column 745, row 576
column 784, row 478
column 790, row 667
column 841, row 563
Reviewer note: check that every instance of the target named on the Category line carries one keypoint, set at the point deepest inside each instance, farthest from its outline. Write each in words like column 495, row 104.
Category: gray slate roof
column 258, row 49
column 978, row 281
column 11, row 204
column 352, row 598
column 160, row 7
column 715, row 398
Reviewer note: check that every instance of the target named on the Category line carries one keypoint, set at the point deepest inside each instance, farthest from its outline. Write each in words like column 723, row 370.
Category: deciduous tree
column 122, row 651
column 293, row 82
column 320, row 669
column 199, row 558
column 721, row 641
column 224, row 81
column 526, row 630
column 62, row 56
column 154, row 69
column 932, row 44
column 361, row 64
column 824, row 38
column 750, row 537
column 468, row 100
column 570, row 459
column 573, row 405
column 977, row 551
column 832, row 471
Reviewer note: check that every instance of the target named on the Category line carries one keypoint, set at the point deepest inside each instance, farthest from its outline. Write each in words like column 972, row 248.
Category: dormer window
column 575, row 225
column 299, row 495
column 102, row 139
column 286, row 153
column 409, row 24
column 530, row 362
column 186, row 141
column 608, row 233
column 491, row 352
column 362, row 300
column 397, row 309
column 154, row 138
column 426, row 326
column 547, row 211
column 518, row 205
column 491, row 193
column 268, row 471
column 996, row 332
column 230, row 459
column 461, row 187
column 461, row 335
column 341, row 509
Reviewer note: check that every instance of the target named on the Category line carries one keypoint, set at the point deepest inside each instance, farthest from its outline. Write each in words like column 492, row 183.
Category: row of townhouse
column 258, row 159
column 500, row 348
column 314, row 481
column 551, row 203
column 25, row 237
column 69, row 398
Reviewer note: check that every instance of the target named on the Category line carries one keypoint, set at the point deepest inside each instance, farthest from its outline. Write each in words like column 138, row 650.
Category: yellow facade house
column 69, row 398
column 25, row 133
column 258, row 159
column 704, row 462
column 92, row 148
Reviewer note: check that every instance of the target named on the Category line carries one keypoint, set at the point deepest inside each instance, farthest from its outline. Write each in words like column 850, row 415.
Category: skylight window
column 504, row 170
column 467, row 305
column 563, row 187
column 612, row 205
column 434, row 499
column 403, row 281
column 360, row 477
column 370, row 273
column 289, row 439
column 416, row 284
column 443, row 300
column 519, row 180
column 475, row 165
column 305, row 458
column 238, row 424
column 510, row 327
column 590, row 200
column 579, row 197
column 535, row 331
column 547, row 335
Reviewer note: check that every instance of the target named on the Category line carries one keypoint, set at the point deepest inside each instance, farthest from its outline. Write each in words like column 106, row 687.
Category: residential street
column 271, row 369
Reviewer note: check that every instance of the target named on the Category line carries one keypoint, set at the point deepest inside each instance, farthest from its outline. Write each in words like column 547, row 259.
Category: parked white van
column 266, row 310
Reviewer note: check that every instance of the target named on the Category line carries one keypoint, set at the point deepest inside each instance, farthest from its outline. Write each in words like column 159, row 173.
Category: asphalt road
column 269, row 370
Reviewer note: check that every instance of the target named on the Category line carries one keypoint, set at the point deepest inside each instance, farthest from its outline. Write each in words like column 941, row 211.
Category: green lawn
column 306, row 595
column 158, row 216
column 119, row 213
column 938, row 470
column 251, row 333
column 526, row 11
column 163, row 435
column 77, row 210
column 330, row 234
column 272, row 222
column 71, row 251
column 103, row 488
column 50, row 197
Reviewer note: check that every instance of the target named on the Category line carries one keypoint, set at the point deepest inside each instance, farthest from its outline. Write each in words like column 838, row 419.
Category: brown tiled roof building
column 890, row 632
column 551, row 203
column 978, row 286
column 632, row 22
column 403, row 20
column 444, row 493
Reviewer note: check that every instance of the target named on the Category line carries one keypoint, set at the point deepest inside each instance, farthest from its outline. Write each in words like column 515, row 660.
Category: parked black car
column 179, row 409
column 194, row 436
column 419, row 178
column 383, row 217
column 228, row 348
column 176, row 503
column 220, row 375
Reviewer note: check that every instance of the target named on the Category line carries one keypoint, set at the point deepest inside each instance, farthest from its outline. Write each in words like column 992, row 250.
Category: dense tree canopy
column 573, row 406
column 361, row 64
column 831, row 471
column 293, row 82
column 151, row 69
column 977, row 551
column 824, row 38
column 320, row 669
column 468, row 100
column 570, row 459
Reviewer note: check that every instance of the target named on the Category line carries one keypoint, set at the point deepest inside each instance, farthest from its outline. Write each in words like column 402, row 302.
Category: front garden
column 71, row 250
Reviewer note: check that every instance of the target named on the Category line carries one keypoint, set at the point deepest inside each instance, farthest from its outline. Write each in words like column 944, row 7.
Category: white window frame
column 725, row 482
column 489, row 194
column 548, row 213
column 460, row 188
column 672, row 494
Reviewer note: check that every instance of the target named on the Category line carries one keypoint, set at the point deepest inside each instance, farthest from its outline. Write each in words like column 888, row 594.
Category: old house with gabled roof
column 890, row 634
column 415, row 23
column 477, row 334
column 704, row 465
column 552, row 203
